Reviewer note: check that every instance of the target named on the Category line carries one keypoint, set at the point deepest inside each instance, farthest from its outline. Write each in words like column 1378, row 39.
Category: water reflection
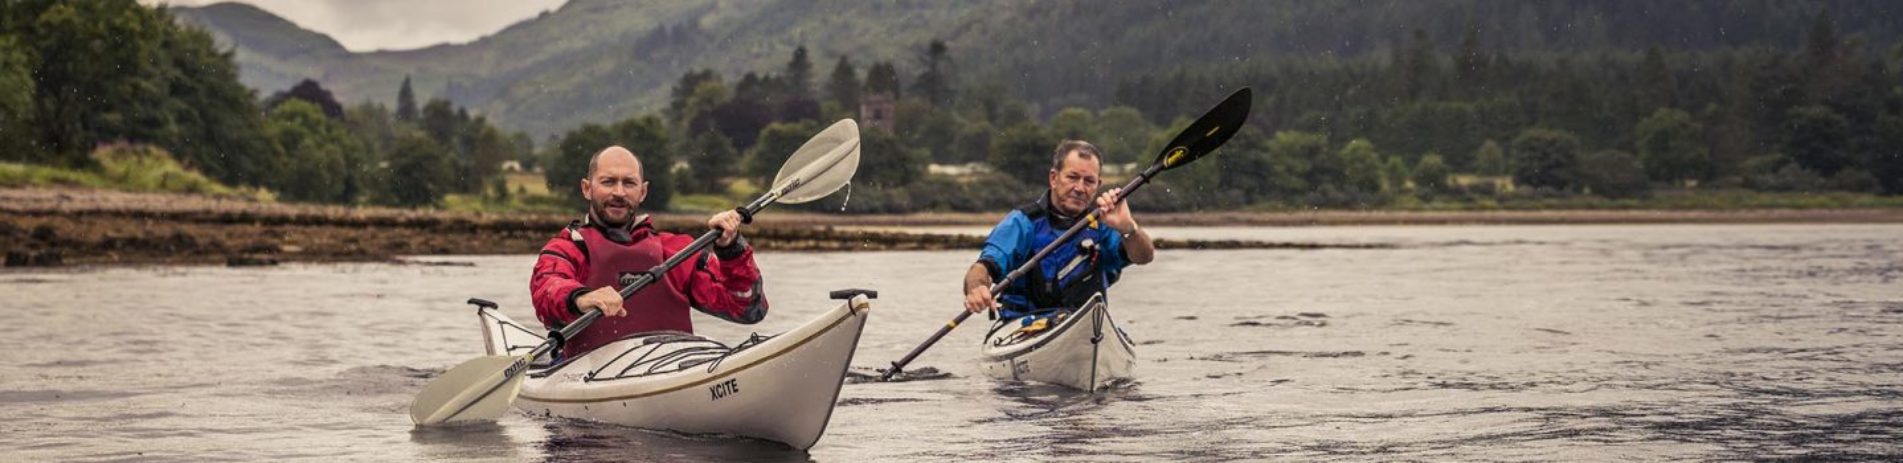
column 465, row 441
column 582, row 441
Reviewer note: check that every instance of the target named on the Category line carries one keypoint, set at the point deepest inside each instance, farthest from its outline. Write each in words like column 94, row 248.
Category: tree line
column 1825, row 116
column 78, row 75
column 1416, row 124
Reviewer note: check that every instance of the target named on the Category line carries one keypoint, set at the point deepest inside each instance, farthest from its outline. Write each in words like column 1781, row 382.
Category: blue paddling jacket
column 1064, row 279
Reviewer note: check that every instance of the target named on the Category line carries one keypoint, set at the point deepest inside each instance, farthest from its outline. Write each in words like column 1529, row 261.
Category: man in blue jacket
column 1088, row 263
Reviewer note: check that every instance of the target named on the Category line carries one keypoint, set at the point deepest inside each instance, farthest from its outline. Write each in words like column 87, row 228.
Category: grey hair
column 1064, row 148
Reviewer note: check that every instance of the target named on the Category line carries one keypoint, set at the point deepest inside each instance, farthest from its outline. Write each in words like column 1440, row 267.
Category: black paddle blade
column 1209, row 131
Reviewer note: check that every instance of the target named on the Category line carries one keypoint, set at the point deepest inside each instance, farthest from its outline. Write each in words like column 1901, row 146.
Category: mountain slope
column 273, row 53
column 599, row 60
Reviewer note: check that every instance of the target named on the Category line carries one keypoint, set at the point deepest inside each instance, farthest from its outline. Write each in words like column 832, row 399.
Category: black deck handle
column 845, row 294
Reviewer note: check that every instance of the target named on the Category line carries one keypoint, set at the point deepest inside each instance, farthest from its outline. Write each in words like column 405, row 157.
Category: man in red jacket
column 582, row 266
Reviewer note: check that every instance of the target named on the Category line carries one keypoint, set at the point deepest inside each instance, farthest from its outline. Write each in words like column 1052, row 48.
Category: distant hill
column 273, row 53
column 600, row 60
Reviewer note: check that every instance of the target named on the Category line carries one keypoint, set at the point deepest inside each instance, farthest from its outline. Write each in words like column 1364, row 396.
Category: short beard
column 600, row 211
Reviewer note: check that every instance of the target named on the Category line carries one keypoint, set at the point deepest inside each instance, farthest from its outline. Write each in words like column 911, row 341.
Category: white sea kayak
column 1084, row 350
column 779, row 388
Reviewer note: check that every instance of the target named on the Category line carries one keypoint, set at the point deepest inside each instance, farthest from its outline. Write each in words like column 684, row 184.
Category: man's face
column 1074, row 183
column 615, row 187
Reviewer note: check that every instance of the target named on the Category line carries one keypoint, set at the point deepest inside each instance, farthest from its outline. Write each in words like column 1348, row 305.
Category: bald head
column 615, row 156
column 614, row 186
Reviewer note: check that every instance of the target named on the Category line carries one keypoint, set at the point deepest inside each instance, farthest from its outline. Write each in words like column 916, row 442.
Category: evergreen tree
column 1418, row 67
column 406, row 102
column 1470, row 63
column 844, row 86
column 1823, row 57
column 883, row 78
column 935, row 81
column 798, row 79
column 439, row 121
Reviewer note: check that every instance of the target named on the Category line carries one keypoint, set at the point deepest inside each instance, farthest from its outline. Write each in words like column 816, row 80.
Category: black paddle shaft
column 1091, row 215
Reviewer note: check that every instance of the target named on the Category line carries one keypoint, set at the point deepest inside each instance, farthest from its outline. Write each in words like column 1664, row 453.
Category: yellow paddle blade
column 480, row 389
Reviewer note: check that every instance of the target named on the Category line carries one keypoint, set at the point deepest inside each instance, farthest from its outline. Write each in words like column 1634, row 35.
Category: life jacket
column 611, row 259
column 1069, row 275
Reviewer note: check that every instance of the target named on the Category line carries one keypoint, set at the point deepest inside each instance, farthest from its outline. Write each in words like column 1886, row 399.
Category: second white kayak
column 1085, row 350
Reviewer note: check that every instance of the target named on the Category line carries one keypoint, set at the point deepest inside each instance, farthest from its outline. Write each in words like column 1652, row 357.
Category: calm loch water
column 1460, row 343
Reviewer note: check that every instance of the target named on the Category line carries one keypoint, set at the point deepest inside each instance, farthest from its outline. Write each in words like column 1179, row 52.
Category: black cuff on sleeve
column 997, row 273
column 572, row 310
column 731, row 251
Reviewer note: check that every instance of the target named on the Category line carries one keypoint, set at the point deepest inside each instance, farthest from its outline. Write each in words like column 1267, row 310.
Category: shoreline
column 55, row 227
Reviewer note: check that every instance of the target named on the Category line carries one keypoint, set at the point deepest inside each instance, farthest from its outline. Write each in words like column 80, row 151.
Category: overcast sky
column 365, row 25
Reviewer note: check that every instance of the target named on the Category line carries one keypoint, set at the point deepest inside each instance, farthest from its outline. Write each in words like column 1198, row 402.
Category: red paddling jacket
column 587, row 255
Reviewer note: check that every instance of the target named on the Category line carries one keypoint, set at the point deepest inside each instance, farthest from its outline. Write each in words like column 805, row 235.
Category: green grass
column 739, row 192
column 25, row 175
column 528, row 183
column 141, row 169
column 543, row 203
column 701, row 203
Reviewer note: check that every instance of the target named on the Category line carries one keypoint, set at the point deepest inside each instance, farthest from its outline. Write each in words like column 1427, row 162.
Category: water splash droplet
column 842, row 204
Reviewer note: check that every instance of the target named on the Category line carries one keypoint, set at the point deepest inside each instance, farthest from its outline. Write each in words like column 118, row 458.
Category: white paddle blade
column 478, row 390
column 821, row 166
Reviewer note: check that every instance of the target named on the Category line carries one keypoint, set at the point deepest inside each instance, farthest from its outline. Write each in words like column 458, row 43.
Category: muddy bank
column 42, row 227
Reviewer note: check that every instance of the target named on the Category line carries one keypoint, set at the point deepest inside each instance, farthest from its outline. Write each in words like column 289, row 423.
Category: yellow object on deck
column 1039, row 325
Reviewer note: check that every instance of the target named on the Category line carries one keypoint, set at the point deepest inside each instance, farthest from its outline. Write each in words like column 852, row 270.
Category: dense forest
column 77, row 78
column 1471, row 111
column 603, row 60
column 1427, row 122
